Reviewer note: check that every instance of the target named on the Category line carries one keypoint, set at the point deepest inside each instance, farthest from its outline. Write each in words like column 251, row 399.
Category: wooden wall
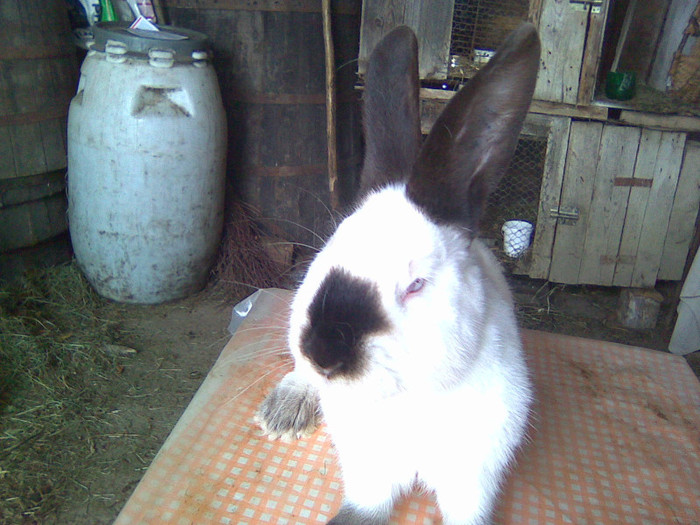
column 269, row 57
column 38, row 77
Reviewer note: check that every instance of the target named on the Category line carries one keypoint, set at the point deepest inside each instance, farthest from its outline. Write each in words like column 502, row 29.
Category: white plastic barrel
column 146, row 164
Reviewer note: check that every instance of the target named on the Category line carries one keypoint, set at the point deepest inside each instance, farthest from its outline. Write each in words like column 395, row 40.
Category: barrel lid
column 183, row 42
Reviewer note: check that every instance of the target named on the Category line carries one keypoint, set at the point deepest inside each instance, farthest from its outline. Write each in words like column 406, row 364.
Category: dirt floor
column 72, row 448
column 156, row 358
column 176, row 344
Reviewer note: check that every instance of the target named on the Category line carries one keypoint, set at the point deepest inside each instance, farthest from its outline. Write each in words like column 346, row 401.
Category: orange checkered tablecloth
column 615, row 439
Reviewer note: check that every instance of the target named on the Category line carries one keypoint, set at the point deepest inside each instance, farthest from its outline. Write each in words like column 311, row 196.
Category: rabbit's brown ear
column 390, row 113
column 472, row 142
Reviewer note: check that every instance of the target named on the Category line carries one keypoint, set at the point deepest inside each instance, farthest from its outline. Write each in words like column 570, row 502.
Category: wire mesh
column 517, row 195
column 478, row 28
column 484, row 24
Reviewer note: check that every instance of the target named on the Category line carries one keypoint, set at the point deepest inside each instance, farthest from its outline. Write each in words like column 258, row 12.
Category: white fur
column 445, row 396
column 439, row 396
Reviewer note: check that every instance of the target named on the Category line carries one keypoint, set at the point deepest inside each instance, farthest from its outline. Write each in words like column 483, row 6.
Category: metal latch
column 582, row 5
column 566, row 214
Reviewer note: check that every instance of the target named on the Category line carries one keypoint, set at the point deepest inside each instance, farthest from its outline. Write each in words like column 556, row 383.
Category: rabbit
column 403, row 333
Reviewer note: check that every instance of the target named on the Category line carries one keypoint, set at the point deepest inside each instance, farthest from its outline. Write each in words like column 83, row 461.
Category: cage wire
column 517, row 195
column 484, row 24
column 478, row 29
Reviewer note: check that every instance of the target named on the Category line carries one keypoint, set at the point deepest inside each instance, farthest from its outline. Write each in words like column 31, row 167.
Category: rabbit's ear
column 390, row 115
column 472, row 141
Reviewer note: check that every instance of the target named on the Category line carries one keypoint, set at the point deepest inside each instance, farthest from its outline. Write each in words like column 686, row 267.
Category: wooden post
column 330, row 105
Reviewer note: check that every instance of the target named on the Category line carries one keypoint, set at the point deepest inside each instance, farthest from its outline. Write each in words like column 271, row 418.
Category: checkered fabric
column 615, row 438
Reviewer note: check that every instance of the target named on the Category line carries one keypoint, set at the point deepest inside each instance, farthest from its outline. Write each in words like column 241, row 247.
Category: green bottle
column 107, row 11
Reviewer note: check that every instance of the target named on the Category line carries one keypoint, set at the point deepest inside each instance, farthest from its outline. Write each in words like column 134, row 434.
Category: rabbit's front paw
column 290, row 411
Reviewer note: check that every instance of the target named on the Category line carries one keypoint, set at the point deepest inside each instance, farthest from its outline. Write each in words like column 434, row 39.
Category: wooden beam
column 433, row 102
column 435, row 99
column 569, row 110
column 659, row 121
column 343, row 7
column 331, row 135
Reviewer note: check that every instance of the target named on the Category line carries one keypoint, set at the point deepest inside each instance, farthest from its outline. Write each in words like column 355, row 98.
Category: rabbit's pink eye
column 415, row 286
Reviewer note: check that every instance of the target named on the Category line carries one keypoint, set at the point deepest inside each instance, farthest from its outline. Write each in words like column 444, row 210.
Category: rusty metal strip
column 36, row 53
column 32, row 117
column 632, row 182
column 618, row 259
column 280, row 98
column 292, row 98
column 284, row 171
column 258, row 170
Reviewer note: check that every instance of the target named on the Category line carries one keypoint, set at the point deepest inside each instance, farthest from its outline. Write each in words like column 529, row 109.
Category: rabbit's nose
column 326, row 355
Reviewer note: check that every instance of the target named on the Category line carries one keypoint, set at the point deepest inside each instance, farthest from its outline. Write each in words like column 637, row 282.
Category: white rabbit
column 402, row 332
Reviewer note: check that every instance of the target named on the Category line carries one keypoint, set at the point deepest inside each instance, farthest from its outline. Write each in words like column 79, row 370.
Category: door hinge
column 583, row 5
column 569, row 215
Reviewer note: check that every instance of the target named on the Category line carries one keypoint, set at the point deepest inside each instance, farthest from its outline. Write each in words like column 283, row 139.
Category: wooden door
column 616, row 201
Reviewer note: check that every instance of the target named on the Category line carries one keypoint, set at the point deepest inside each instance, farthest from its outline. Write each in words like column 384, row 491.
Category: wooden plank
column 378, row 18
column 431, row 21
column 550, row 193
column 430, row 110
column 535, row 12
column 569, row 110
column 27, row 149
column 592, row 55
column 32, row 222
column 19, row 87
column 304, row 170
column 544, row 107
column 19, row 190
column 7, row 166
column 618, row 152
column 436, row 94
column 658, row 121
column 266, row 53
column 53, row 144
column 577, row 193
column 346, row 7
column 681, row 224
column 272, row 81
column 645, row 169
column 563, row 34
column 64, row 49
column 34, row 116
column 433, row 101
column 658, row 212
column 537, row 125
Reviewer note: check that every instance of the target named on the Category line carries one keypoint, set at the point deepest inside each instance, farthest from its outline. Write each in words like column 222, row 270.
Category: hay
column 51, row 341
column 245, row 263
column 536, row 310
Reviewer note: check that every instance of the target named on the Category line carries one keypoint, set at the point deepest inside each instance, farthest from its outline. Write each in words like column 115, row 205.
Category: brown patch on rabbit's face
column 345, row 311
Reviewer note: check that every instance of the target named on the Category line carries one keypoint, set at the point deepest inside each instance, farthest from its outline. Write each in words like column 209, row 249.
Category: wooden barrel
column 269, row 58
column 38, row 74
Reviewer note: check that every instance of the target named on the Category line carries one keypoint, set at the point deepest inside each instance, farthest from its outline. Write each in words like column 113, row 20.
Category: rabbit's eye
column 415, row 286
